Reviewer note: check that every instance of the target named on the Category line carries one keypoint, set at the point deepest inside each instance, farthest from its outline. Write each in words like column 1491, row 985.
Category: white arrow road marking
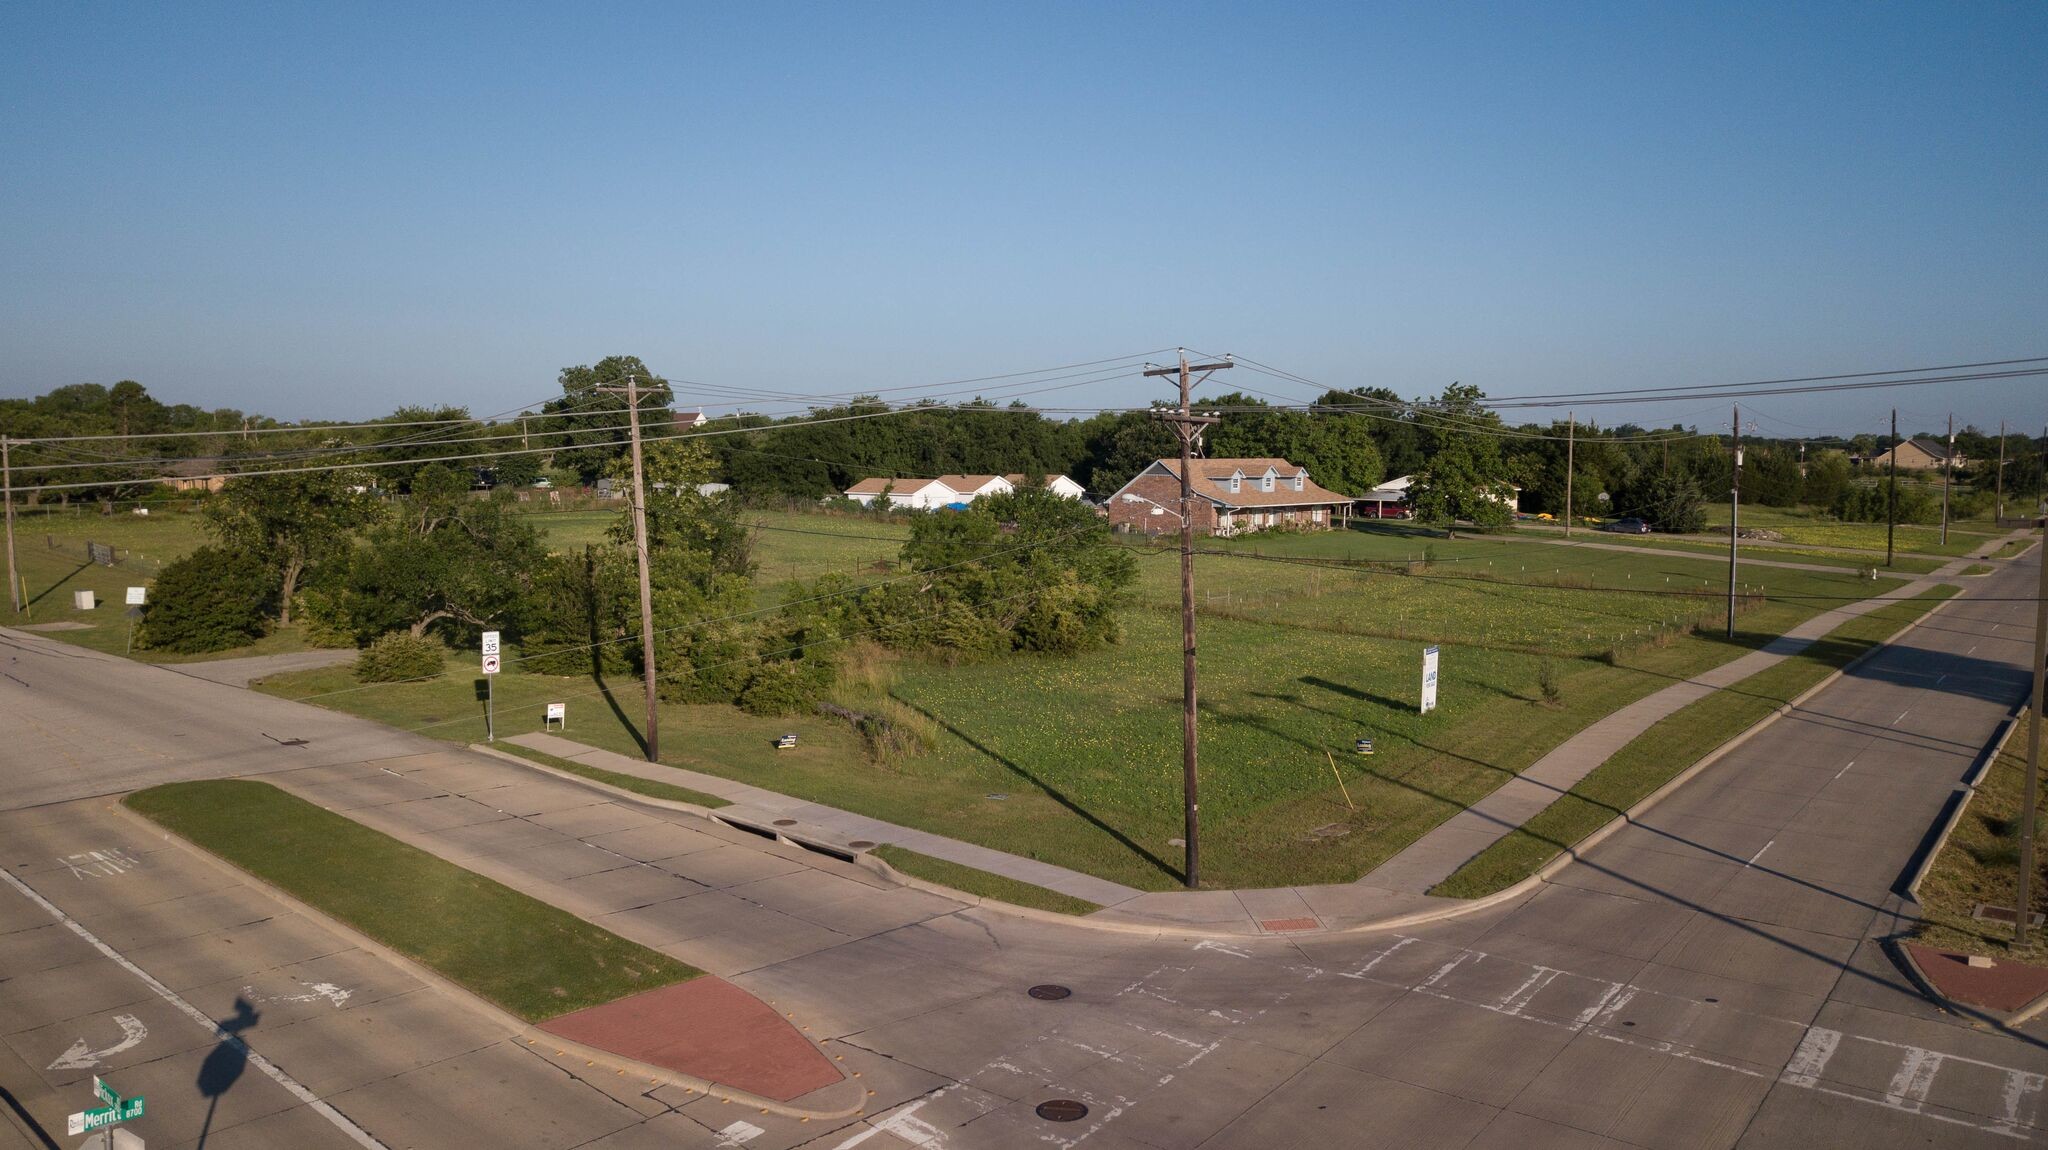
column 338, row 995
column 84, row 1057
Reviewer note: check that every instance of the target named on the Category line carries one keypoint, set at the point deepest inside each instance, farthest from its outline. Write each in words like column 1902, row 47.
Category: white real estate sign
column 1428, row 679
column 137, row 596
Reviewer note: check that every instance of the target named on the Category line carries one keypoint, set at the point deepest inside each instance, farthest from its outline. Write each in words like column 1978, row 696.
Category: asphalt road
column 1709, row 978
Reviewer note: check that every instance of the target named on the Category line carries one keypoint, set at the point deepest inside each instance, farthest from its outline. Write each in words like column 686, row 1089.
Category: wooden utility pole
column 1734, row 511
column 7, row 480
column 1188, row 426
column 1571, row 425
column 1998, row 501
column 2032, row 796
column 1948, row 463
column 1891, row 492
column 632, row 394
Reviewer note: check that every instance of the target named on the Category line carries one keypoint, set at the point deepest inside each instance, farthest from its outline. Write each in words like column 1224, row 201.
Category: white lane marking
column 81, row 1055
column 2019, row 1085
column 739, row 1133
column 1376, row 959
column 100, row 864
column 1806, row 1063
column 1902, row 714
column 337, row 995
column 1915, row 1077
column 1450, row 966
column 297, row 1089
column 1519, row 999
column 1845, row 768
column 1760, row 853
column 1226, row 948
column 857, row 1139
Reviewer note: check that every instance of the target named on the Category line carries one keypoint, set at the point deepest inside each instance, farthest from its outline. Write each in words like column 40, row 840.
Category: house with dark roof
column 1231, row 497
column 1920, row 453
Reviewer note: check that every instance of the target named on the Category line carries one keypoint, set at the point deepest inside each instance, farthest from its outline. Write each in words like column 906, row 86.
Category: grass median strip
column 633, row 783
column 1979, row 865
column 1674, row 743
column 535, row 960
column 980, row 882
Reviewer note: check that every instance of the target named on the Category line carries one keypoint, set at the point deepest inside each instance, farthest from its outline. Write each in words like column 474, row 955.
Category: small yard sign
column 786, row 743
column 137, row 595
column 1364, row 746
column 1428, row 679
column 557, row 713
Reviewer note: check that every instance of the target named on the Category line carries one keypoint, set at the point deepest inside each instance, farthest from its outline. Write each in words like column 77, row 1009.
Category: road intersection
column 1714, row 975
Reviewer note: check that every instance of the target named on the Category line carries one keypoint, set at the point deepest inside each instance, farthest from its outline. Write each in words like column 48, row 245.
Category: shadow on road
column 224, row 1063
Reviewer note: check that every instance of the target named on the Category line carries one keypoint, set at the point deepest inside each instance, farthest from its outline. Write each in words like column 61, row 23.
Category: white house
column 1059, row 485
column 928, row 494
column 922, row 494
column 1398, row 489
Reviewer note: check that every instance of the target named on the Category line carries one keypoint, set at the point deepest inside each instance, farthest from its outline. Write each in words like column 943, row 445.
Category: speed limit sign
column 490, row 664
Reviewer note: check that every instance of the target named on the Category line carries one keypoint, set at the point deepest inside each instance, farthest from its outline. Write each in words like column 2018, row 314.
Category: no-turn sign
column 490, row 664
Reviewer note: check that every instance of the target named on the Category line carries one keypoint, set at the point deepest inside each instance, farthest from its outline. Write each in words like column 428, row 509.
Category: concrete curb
column 532, row 1033
column 1968, row 789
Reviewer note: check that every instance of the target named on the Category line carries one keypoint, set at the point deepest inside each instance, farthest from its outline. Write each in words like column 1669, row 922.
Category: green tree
column 212, row 599
column 1466, row 476
column 591, row 425
column 1828, row 474
column 294, row 522
column 445, row 557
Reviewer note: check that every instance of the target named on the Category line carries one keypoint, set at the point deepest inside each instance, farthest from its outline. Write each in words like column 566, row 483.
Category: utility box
column 83, row 601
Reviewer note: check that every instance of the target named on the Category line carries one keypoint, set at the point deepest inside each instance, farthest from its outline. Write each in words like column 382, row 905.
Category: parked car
column 1627, row 527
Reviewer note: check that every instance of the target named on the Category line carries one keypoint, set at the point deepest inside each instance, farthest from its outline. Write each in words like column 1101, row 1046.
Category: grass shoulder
column 984, row 884
column 1671, row 745
column 532, row 959
column 1979, row 865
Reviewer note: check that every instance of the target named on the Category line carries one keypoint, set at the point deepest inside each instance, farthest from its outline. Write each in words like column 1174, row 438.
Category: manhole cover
column 785, row 822
column 1062, row 1110
column 1049, row 992
column 861, row 844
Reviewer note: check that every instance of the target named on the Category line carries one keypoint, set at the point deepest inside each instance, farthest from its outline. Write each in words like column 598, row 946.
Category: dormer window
column 1236, row 481
column 1266, row 481
column 1298, row 481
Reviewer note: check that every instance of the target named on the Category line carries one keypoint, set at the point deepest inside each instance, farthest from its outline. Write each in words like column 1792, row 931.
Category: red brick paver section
column 1287, row 925
column 2007, row 987
column 709, row 1028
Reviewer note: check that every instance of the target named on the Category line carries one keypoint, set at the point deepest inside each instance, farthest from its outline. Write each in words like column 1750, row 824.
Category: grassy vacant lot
column 1808, row 527
column 980, row 882
column 1076, row 761
column 1676, row 742
column 1980, row 864
column 787, row 544
column 50, row 552
column 528, row 957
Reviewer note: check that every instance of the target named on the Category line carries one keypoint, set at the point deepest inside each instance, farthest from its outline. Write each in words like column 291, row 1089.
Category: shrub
column 1547, row 682
column 400, row 655
column 786, row 686
column 322, row 618
column 210, row 600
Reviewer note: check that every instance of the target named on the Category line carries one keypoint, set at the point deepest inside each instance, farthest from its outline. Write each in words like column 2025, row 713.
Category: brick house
column 1920, row 453
column 1231, row 497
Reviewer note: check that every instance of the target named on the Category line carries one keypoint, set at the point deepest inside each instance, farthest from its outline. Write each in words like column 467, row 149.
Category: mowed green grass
column 51, row 557
column 788, row 545
column 531, row 958
column 975, row 881
column 1668, row 747
column 1519, row 595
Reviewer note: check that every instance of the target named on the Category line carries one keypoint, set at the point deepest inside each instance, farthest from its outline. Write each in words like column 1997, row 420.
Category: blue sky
column 312, row 211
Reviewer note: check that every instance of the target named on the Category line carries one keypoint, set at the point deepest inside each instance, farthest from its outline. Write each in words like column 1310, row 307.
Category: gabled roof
column 1933, row 447
column 1222, row 469
column 894, row 486
column 968, row 484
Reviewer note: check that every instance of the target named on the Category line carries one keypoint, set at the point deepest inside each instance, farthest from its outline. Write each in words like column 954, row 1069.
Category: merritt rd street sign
column 117, row 1109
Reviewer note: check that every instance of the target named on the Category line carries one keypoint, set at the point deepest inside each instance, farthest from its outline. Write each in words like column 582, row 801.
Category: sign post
column 490, row 682
column 136, row 597
column 1429, row 664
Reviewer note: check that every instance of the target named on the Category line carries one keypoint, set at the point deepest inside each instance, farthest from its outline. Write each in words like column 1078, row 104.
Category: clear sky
column 331, row 210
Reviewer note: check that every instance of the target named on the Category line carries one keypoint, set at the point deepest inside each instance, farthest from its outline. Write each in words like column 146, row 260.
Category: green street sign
column 105, row 1092
column 85, row 1122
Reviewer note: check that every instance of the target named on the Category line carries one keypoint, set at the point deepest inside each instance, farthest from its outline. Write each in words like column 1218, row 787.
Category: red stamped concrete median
column 2007, row 987
column 710, row 1029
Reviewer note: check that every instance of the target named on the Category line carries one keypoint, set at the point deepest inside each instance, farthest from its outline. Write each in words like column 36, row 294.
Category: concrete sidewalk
column 1436, row 855
column 761, row 806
